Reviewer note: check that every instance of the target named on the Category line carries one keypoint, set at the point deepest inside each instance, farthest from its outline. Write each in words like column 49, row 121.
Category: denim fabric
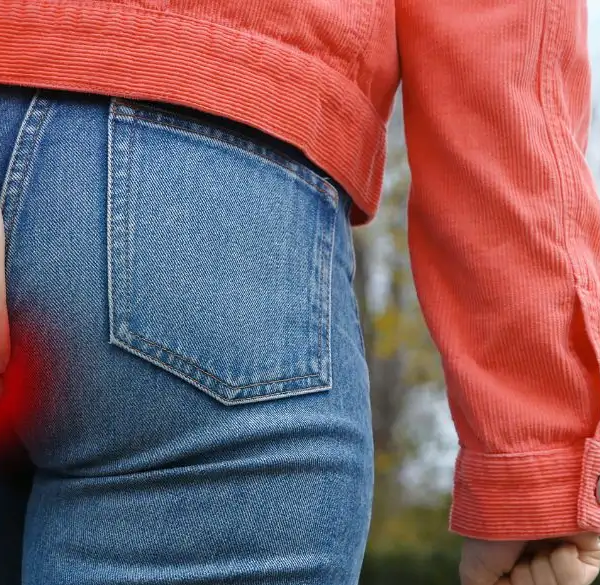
column 186, row 350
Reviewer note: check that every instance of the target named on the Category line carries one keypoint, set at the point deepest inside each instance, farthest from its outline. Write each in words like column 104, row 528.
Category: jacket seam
column 366, row 34
column 568, row 183
column 556, row 141
column 262, row 38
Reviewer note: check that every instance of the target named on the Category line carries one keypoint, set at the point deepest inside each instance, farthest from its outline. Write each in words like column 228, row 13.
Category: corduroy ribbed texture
column 315, row 79
column 504, row 233
column 504, row 220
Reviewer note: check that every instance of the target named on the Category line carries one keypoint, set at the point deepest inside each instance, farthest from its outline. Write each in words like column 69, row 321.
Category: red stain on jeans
column 23, row 399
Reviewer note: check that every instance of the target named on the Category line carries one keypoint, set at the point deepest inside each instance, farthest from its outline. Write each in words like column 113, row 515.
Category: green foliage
column 403, row 330
column 408, row 544
column 410, row 567
column 421, row 528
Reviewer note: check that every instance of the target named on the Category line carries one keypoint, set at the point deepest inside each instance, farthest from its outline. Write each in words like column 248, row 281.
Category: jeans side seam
column 351, row 241
column 15, row 155
column 320, row 283
column 109, row 210
column 128, row 266
column 328, row 300
column 18, row 172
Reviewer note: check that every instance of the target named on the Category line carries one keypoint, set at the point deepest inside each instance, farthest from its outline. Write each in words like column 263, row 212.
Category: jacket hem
column 527, row 496
column 137, row 53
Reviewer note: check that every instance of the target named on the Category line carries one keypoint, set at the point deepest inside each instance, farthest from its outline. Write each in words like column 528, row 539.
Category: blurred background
column 415, row 441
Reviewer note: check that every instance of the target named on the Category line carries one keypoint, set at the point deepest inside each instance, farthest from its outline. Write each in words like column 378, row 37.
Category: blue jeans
column 186, row 350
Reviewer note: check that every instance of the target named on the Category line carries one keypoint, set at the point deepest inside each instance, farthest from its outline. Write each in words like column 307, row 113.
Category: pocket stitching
column 195, row 365
column 219, row 397
column 123, row 336
column 320, row 285
column 129, row 230
column 351, row 241
column 327, row 301
column 330, row 193
column 323, row 364
column 234, row 133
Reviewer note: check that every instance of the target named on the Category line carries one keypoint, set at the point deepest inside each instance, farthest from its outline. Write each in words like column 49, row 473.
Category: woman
column 187, row 373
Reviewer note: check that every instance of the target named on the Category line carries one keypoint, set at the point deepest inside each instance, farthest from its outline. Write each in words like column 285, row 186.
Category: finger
column 474, row 572
column 484, row 562
column 535, row 548
column 542, row 571
column 585, row 541
column 521, row 575
column 566, row 565
column 588, row 549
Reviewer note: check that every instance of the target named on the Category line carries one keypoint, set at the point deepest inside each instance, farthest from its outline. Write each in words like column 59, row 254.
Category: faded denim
column 186, row 340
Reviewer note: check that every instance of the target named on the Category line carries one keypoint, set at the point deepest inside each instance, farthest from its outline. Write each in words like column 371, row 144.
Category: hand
column 566, row 560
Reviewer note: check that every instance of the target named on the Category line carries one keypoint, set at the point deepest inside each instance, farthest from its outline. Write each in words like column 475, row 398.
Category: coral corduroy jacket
column 504, row 220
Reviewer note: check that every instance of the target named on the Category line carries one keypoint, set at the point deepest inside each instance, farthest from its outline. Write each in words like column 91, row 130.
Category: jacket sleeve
column 504, row 236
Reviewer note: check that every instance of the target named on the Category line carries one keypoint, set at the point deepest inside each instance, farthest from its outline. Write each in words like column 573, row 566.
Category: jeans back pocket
column 219, row 257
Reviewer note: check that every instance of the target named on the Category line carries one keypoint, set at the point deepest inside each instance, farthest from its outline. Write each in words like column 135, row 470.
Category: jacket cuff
column 527, row 496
